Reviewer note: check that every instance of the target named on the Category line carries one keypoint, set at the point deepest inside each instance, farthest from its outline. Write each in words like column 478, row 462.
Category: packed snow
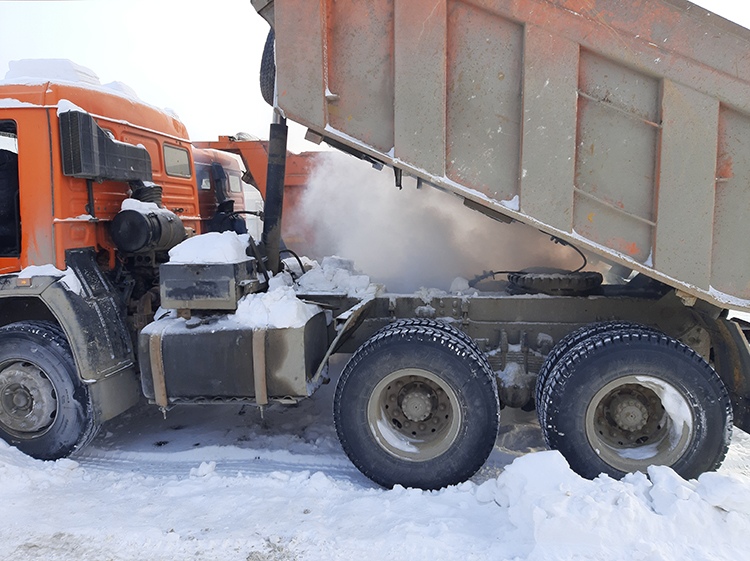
column 279, row 306
column 213, row 247
column 221, row 483
column 31, row 72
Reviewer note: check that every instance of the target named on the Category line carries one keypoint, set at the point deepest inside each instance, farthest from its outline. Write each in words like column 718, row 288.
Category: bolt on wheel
column 414, row 415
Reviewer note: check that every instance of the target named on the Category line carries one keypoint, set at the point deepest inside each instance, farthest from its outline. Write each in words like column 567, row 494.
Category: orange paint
column 53, row 207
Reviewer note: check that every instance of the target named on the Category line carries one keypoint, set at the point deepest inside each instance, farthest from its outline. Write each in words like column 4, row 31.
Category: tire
column 440, row 326
column 621, row 401
column 572, row 339
column 268, row 70
column 416, row 407
column 45, row 410
column 557, row 284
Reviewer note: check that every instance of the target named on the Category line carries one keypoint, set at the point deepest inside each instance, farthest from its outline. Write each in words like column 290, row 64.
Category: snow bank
column 536, row 510
column 560, row 515
column 216, row 483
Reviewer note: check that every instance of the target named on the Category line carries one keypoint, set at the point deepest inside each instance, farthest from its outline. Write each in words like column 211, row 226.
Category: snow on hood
column 210, row 248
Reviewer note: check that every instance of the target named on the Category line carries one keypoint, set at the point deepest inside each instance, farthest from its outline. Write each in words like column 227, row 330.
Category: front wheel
column 416, row 406
column 623, row 400
column 45, row 410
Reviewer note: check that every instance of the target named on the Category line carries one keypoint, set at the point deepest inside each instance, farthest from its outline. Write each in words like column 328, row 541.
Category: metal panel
column 730, row 266
column 360, row 70
column 485, row 54
column 686, row 184
column 420, row 88
column 549, row 143
column 616, row 156
column 474, row 68
column 300, row 57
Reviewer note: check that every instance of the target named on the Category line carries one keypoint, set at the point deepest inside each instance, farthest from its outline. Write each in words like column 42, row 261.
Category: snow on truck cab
column 527, row 111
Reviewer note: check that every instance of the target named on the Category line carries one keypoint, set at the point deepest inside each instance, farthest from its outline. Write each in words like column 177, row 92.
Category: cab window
column 202, row 176
column 10, row 215
column 235, row 183
column 176, row 161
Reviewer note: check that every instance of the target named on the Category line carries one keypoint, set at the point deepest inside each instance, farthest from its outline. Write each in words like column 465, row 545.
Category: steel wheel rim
column 414, row 415
column 629, row 427
column 28, row 403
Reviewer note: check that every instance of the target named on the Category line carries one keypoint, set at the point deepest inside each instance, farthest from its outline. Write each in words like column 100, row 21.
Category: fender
column 92, row 321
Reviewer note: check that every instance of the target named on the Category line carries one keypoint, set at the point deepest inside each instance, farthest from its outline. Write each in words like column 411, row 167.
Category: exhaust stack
column 274, row 194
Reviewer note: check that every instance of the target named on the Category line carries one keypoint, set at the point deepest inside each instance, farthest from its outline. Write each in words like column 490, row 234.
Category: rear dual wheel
column 627, row 398
column 417, row 406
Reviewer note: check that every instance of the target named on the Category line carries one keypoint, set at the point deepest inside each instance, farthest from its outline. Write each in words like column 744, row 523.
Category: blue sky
column 199, row 58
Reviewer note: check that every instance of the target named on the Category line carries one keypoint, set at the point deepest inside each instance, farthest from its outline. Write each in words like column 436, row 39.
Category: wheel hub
column 414, row 415
column 627, row 425
column 629, row 414
column 417, row 402
column 27, row 399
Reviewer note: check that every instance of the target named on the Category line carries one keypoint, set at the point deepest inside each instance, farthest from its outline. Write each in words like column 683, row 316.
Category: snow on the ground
column 219, row 482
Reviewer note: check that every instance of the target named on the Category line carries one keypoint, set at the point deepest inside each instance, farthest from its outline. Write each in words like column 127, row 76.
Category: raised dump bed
column 622, row 128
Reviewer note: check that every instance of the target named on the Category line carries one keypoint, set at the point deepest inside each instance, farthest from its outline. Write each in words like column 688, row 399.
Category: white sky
column 199, row 58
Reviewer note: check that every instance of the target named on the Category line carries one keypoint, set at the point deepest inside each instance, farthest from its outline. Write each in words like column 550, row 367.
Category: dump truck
column 615, row 128
column 617, row 131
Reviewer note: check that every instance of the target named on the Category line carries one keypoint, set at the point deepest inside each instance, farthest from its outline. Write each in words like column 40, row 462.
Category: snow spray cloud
column 411, row 238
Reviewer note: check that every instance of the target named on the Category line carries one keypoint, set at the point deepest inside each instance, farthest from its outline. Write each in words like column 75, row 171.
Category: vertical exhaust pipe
column 274, row 194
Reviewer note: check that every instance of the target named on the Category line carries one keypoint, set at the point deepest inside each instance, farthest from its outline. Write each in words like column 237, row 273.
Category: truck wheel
column 268, row 69
column 621, row 401
column 571, row 340
column 45, row 411
column 417, row 407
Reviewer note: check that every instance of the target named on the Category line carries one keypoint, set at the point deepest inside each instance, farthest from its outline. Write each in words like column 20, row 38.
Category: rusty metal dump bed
column 622, row 127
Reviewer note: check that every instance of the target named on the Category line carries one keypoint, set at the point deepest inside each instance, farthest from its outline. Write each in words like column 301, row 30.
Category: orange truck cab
column 222, row 190
column 299, row 167
column 96, row 187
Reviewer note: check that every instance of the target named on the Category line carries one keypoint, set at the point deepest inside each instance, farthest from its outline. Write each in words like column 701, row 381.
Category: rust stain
column 725, row 168
column 624, row 246
column 590, row 217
